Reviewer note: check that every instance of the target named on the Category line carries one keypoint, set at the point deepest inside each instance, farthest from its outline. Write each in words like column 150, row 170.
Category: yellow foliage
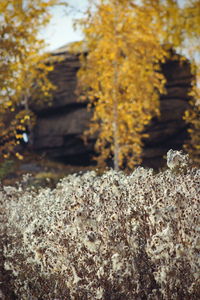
column 182, row 31
column 127, row 41
column 120, row 77
column 23, row 76
column 19, row 156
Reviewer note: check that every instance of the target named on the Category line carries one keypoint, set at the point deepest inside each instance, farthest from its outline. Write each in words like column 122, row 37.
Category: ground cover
column 109, row 236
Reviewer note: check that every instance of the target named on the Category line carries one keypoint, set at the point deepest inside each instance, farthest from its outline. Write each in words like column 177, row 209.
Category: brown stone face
column 60, row 127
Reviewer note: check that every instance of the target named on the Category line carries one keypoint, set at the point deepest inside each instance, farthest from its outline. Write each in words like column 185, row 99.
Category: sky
column 60, row 31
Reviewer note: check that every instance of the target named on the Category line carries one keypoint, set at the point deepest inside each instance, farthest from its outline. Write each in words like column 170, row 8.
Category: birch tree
column 127, row 41
column 180, row 21
column 121, row 77
column 23, row 71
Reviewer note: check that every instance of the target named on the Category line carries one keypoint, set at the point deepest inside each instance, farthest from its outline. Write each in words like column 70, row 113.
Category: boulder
column 59, row 128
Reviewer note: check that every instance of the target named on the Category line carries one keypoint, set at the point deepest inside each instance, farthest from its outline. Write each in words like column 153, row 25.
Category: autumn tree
column 121, row 77
column 23, row 68
column 127, row 41
column 180, row 21
column 191, row 16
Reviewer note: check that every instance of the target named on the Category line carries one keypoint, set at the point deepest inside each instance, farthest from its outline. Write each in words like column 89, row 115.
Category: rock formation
column 60, row 127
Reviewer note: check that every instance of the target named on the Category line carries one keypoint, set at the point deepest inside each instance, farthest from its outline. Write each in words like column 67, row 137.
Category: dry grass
column 108, row 237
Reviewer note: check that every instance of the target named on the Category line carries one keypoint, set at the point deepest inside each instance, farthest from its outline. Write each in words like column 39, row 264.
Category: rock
column 172, row 110
column 60, row 127
column 174, row 92
column 176, row 70
column 60, row 134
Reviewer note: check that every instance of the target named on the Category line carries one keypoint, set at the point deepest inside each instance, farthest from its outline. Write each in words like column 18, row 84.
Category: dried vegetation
column 105, row 237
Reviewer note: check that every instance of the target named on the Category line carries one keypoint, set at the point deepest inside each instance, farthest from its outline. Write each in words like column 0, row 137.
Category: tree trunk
column 115, row 120
column 115, row 102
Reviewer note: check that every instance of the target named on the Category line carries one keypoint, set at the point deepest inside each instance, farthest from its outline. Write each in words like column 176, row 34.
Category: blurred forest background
column 118, row 74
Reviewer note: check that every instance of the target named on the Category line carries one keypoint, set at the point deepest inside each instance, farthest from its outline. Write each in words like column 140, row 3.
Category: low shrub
column 109, row 237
